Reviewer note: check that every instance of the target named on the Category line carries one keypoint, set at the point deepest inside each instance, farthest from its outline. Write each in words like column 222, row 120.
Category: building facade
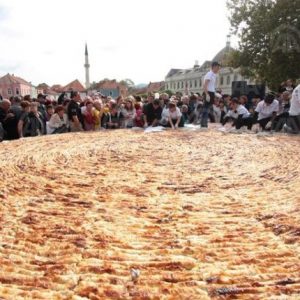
column 11, row 85
column 191, row 80
column 154, row 87
column 111, row 88
column 77, row 86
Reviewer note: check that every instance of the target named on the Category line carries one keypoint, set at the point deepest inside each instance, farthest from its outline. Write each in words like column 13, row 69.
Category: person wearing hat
column 209, row 88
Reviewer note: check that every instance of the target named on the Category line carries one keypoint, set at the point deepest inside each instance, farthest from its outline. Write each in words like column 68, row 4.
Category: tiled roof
column 140, row 91
column 108, row 84
column 9, row 79
column 74, row 86
column 46, row 89
column 172, row 72
column 112, row 85
column 50, row 92
column 57, row 88
column 155, row 86
column 43, row 86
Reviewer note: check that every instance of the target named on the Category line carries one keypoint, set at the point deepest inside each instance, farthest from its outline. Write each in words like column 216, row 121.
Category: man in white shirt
column 266, row 110
column 174, row 116
column 209, row 88
column 293, row 125
column 239, row 114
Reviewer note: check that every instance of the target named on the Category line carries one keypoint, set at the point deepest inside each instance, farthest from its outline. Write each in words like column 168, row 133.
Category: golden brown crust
column 119, row 215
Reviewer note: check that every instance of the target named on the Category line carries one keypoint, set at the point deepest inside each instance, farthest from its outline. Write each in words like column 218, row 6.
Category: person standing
column 209, row 88
column 58, row 122
column 41, row 100
column 16, row 110
column 128, row 112
column 6, row 118
column 97, row 113
column 31, row 123
column 88, row 116
column 25, row 106
column 74, row 112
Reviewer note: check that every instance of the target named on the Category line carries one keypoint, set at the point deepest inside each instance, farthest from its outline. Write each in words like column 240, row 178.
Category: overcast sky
column 43, row 41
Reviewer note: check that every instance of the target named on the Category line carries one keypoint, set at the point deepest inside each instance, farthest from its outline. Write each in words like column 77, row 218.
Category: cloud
column 4, row 13
column 126, row 39
column 9, row 68
column 110, row 48
column 48, row 52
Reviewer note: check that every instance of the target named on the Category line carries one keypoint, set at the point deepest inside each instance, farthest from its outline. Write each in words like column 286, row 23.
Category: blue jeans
column 204, row 117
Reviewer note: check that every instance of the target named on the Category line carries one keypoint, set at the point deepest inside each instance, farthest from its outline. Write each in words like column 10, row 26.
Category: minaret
column 87, row 68
column 228, row 41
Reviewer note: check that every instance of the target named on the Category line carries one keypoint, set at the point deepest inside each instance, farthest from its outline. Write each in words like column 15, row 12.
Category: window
column 235, row 77
column 191, row 84
column 178, row 85
column 17, row 91
column 9, row 91
column 110, row 93
column 182, row 84
column 200, row 82
column 221, row 80
column 196, row 83
column 228, row 80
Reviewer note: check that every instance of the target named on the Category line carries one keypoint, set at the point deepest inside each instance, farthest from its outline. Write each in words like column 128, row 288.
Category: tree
column 93, row 85
column 128, row 83
column 269, row 39
column 169, row 92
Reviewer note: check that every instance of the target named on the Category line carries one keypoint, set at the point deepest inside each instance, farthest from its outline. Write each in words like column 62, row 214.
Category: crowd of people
column 26, row 117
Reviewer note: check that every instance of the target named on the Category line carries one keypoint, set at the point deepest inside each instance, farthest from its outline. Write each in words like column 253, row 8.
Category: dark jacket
column 33, row 125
